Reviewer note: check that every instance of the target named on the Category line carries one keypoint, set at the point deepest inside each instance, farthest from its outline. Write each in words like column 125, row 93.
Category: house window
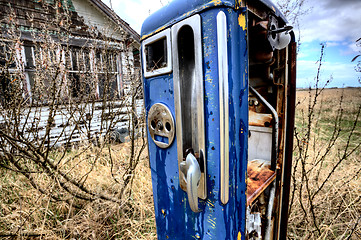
column 7, row 56
column 74, row 59
column 79, row 77
column 29, row 67
column 39, row 67
column 88, row 73
column 29, row 57
column 93, row 72
column 108, row 73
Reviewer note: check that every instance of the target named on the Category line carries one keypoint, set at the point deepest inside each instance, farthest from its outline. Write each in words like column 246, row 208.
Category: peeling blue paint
column 174, row 218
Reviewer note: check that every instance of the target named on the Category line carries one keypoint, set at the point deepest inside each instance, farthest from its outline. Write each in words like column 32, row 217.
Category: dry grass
column 326, row 200
column 25, row 212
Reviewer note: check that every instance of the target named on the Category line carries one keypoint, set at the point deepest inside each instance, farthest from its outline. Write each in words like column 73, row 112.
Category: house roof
column 114, row 17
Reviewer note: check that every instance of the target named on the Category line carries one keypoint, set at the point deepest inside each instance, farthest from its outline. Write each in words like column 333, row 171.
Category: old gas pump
column 219, row 83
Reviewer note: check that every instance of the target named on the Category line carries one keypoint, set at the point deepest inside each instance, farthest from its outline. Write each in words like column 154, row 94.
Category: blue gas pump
column 218, row 79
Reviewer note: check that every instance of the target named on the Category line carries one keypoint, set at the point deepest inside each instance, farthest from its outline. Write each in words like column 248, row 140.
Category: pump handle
column 191, row 170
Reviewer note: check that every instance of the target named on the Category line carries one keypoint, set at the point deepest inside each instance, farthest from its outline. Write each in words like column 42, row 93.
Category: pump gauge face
column 161, row 125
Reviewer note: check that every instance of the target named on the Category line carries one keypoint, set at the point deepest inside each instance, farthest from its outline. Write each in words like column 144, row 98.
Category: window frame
column 160, row 71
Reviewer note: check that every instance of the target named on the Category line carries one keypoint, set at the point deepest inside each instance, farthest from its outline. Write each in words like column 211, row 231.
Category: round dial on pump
column 161, row 125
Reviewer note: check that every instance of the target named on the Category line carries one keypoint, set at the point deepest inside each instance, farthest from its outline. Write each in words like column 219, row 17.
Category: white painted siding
column 72, row 126
column 93, row 17
column 127, row 63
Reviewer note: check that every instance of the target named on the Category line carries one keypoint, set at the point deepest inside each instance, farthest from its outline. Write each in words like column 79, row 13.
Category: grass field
column 326, row 186
column 325, row 199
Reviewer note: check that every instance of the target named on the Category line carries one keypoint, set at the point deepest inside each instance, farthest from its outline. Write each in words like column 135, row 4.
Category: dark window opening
column 3, row 57
column 10, row 88
column 74, row 85
column 5, row 88
column 98, row 62
column 107, row 74
column 81, row 85
column 75, row 60
column 110, row 62
column 85, row 60
column 52, row 58
column 29, row 57
column 108, row 86
column 156, row 54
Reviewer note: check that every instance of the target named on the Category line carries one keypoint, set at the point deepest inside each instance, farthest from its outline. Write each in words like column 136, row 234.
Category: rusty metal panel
column 260, row 176
column 291, row 101
column 259, row 119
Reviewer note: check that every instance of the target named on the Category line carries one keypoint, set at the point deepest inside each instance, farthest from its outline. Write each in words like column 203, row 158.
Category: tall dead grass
column 326, row 187
column 27, row 213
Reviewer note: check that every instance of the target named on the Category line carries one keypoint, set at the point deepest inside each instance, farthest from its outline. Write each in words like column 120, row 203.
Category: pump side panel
column 174, row 218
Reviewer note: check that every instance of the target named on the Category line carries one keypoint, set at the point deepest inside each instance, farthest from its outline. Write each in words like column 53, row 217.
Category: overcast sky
column 334, row 22
column 338, row 24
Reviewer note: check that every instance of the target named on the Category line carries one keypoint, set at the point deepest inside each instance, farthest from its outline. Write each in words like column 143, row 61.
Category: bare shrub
column 61, row 113
column 358, row 66
column 325, row 200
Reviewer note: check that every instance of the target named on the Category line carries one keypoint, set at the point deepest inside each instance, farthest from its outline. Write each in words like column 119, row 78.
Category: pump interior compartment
column 267, row 107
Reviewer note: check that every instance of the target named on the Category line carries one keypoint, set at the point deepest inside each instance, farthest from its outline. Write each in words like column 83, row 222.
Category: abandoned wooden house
column 91, row 22
column 88, row 46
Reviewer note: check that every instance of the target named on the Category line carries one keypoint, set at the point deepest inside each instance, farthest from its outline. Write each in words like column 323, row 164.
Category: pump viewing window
column 156, row 54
